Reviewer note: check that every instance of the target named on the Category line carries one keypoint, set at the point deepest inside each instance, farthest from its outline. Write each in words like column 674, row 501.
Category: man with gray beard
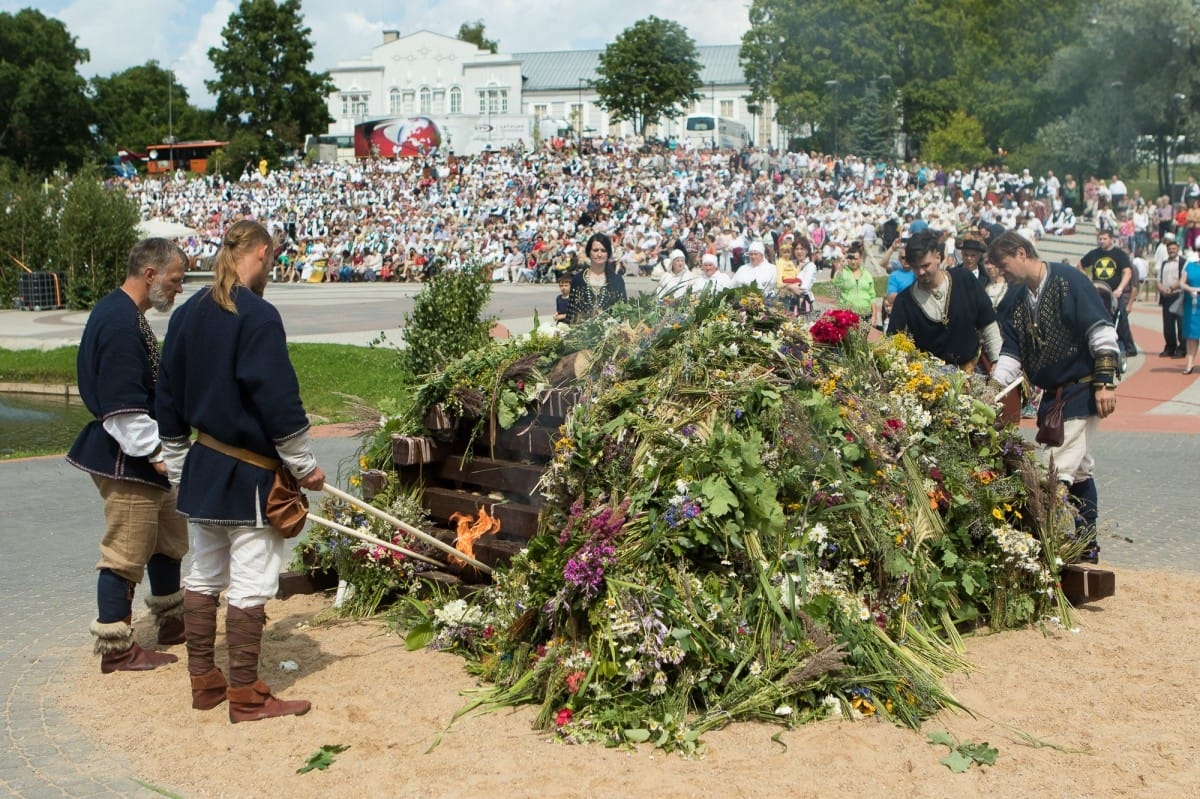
column 117, row 369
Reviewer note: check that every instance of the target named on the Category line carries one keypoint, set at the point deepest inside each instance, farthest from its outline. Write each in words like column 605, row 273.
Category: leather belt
column 238, row 453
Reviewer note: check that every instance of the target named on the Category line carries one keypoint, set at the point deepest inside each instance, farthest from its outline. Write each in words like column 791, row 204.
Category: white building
column 480, row 100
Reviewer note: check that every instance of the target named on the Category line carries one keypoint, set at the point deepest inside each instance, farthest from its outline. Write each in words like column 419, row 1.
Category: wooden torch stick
column 360, row 535
column 338, row 493
column 1000, row 395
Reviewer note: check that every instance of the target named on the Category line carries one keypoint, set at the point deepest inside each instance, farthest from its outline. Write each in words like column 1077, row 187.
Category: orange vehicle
column 191, row 156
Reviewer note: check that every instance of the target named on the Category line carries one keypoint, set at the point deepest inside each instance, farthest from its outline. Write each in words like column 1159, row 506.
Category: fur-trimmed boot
column 250, row 698
column 118, row 651
column 200, row 622
column 168, row 617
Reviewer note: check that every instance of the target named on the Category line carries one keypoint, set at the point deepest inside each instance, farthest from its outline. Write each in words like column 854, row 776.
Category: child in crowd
column 560, row 302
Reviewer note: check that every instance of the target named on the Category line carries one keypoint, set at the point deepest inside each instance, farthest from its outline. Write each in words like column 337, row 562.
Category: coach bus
column 706, row 130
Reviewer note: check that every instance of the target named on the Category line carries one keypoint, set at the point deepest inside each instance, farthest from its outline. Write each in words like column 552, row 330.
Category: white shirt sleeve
column 298, row 455
column 1007, row 370
column 992, row 341
column 136, row 433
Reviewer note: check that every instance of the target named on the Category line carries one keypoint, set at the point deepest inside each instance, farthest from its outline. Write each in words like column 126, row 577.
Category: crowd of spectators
column 523, row 216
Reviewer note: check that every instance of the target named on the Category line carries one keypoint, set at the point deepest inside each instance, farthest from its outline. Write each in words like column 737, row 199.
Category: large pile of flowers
column 749, row 518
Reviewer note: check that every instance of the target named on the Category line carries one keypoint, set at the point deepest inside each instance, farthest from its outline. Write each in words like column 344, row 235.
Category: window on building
column 455, row 100
column 394, row 102
column 409, row 101
column 727, row 109
column 539, row 112
column 439, row 101
column 426, row 98
column 493, row 100
column 354, row 104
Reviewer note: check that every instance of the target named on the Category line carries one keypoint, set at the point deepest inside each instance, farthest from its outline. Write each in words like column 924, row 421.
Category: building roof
column 563, row 69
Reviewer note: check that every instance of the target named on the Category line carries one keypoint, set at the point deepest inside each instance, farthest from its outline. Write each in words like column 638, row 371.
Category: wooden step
column 517, row 522
column 489, row 474
column 1082, row 583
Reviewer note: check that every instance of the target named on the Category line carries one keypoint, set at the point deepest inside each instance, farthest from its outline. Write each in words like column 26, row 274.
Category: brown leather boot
column 168, row 616
column 118, row 652
column 208, row 690
column 250, row 699
column 200, row 622
column 200, row 625
column 255, row 702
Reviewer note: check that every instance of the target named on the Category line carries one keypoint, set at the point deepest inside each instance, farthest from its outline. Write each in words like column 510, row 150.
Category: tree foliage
column 447, row 320
column 144, row 105
column 96, row 229
column 958, row 144
column 79, row 226
column 816, row 59
column 649, row 72
column 473, row 32
column 1133, row 107
column 263, row 80
column 43, row 104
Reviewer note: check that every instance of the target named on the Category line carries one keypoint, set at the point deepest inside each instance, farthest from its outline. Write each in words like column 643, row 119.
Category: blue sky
column 178, row 33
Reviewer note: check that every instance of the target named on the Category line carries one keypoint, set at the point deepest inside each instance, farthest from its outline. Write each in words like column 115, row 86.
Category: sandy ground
column 1115, row 701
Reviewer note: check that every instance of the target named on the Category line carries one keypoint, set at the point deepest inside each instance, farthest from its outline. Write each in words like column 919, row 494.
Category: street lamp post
column 1178, row 98
column 712, row 94
column 579, row 125
column 1118, row 86
column 833, row 84
column 170, row 118
column 887, row 100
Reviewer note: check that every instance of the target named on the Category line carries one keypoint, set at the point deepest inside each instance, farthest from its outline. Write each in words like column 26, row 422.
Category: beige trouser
column 140, row 521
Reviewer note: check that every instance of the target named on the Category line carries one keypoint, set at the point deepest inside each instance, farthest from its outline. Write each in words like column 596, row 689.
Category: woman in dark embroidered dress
column 597, row 287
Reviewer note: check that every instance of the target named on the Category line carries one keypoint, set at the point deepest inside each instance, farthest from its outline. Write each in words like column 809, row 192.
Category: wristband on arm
column 1105, row 372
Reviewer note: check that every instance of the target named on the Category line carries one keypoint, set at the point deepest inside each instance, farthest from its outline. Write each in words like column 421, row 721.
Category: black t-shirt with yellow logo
column 1106, row 266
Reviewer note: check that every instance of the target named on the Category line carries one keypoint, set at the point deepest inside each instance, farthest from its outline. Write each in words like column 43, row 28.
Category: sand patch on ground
column 1121, row 690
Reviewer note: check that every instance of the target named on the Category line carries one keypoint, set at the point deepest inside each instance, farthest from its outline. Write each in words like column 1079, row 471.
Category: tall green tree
column 263, row 80
column 43, row 101
column 816, row 59
column 1135, row 105
column 651, row 71
column 144, row 105
column 473, row 32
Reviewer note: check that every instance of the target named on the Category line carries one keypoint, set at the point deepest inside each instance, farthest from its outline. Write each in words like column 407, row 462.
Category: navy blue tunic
column 1051, row 339
column 227, row 375
column 115, row 377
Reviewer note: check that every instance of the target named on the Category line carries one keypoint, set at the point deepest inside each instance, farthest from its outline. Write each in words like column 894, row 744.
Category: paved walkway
column 49, row 512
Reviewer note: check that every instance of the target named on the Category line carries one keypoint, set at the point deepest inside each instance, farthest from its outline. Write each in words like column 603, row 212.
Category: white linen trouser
column 245, row 560
column 1073, row 459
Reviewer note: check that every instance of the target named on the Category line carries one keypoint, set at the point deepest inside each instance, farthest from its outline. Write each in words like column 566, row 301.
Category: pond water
column 32, row 422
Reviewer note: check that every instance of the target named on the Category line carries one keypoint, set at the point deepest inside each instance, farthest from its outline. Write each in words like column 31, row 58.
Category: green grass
column 38, row 366
column 324, row 371
column 327, row 370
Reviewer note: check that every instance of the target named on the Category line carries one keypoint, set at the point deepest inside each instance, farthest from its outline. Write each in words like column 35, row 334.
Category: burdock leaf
column 957, row 762
column 944, row 738
column 980, row 753
column 322, row 758
column 638, row 736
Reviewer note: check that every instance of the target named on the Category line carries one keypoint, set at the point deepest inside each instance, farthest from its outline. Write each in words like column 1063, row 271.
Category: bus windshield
column 700, row 123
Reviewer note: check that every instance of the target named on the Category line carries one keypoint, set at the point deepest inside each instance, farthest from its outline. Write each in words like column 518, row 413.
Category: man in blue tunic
column 117, row 369
column 1060, row 334
column 225, row 372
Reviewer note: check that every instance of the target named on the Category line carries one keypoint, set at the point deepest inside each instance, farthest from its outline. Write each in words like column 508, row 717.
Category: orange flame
column 471, row 528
